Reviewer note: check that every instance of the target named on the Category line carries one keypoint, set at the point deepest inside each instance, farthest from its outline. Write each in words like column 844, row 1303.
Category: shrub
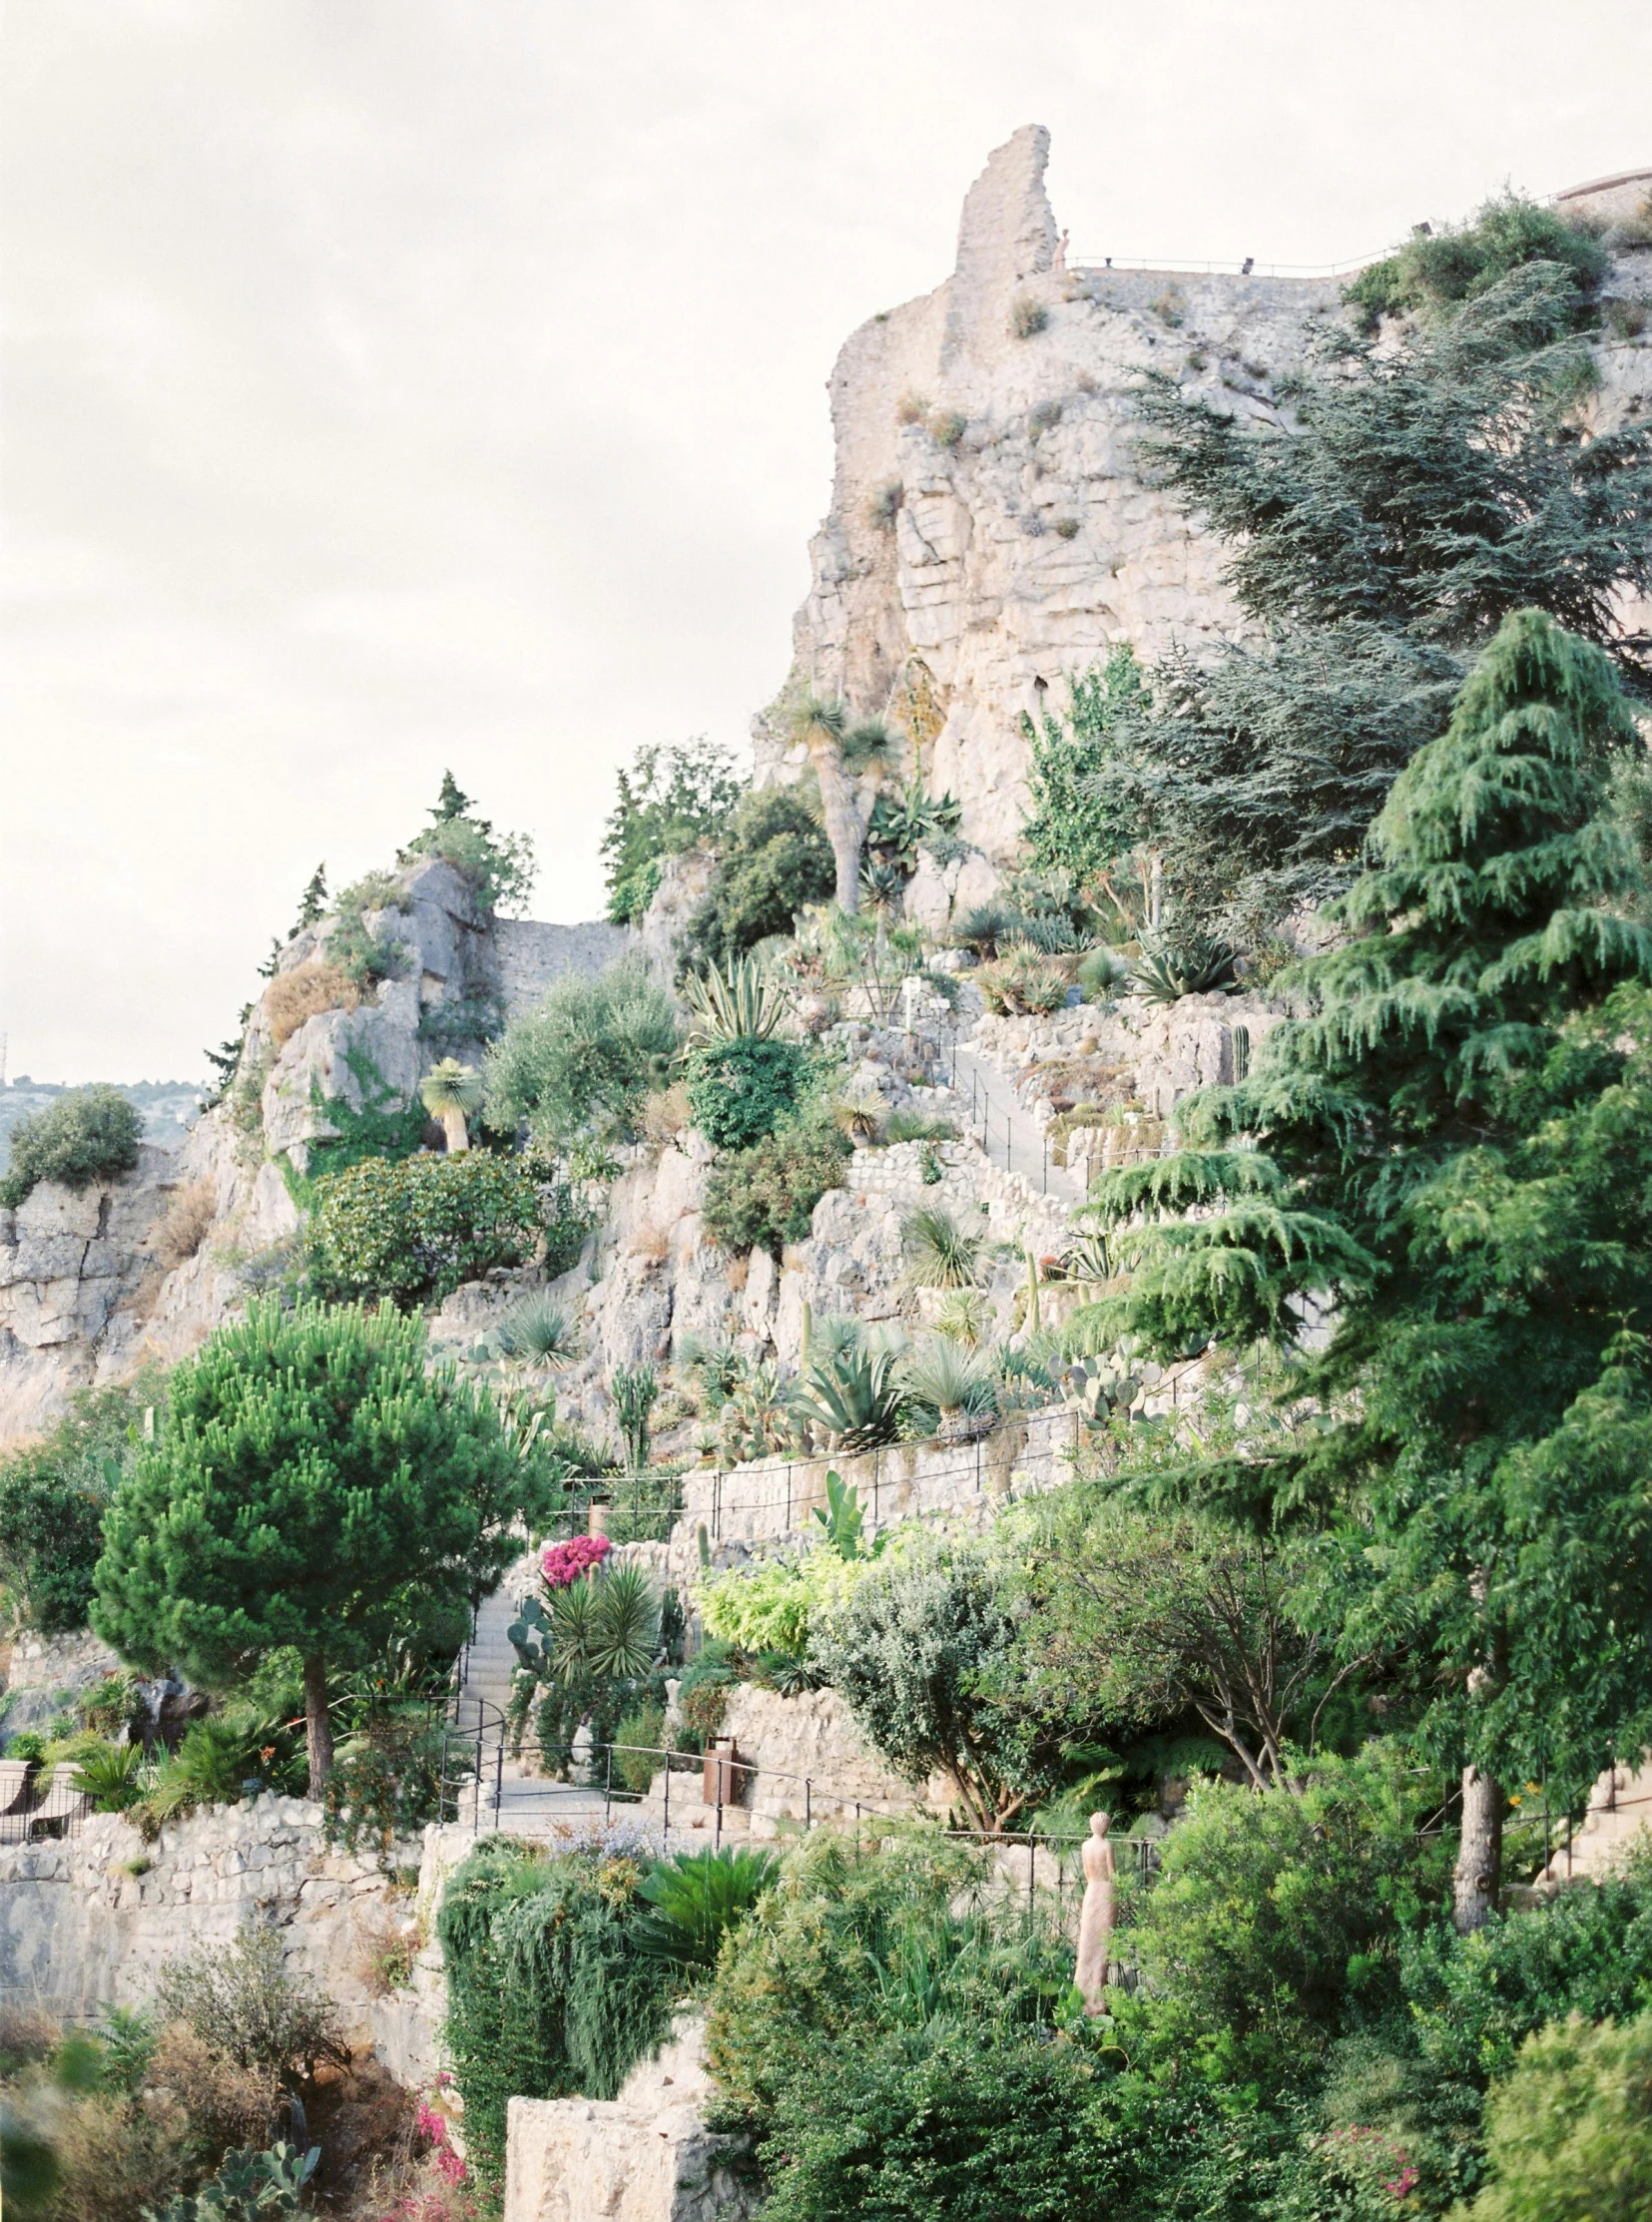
column 110, row 2163
column 666, row 1114
column 1570, row 2129
column 645, row 1727
column 1068, row 528
column 740, row 1089
column 548, row 1995
column 53, row 1495
column 774, row 862
column 884, row 504
column 953, row 1381
column 386, row 1779
column 411, row 1231
column 911, row 408
column 1463, row 260
column 766, row 1194
column 88, row 1134
column 947, row 427
column 775, row 1604
column 1027, row 316
column 186, row 1223
column 582, row 1064
column 240, row 2001
column 304, row 993
column 1023, row 981
column 226, row 2102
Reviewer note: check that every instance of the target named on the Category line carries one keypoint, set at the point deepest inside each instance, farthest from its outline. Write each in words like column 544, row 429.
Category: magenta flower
column 564, row 1564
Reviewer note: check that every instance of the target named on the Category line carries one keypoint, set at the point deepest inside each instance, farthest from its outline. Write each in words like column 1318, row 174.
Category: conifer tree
column 1452, row 1153
column 313, row 1487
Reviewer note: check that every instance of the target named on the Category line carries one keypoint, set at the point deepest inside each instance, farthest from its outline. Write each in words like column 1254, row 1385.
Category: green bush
column 499, row 867
column 241, row 2000
column 548, row 1993
column 412, row 1230
column 774, row 1604
column 88, row 1134
column 645, row 1727
column 53, row 1495
column 1569, row 2133
column 766, row 1195
column 739, row 1090
column 696, row 1897
column 1463, row 260
column 582, row 1064
column 776, row 860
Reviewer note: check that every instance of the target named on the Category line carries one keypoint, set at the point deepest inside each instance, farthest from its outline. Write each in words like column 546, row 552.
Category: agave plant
column 853, row 1395
column 956, row 1381
column 745, row 1004
column 1051, row 934
column 1191, row 964
column 986, row 927
column 939, row 1254
column 450, row 1092
column 539, row 1332
column 881, row 884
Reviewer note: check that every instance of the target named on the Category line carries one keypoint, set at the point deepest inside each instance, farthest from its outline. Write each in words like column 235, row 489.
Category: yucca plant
column 939, row 1254
column 986, row 927
column 696, row 1897
column 956, row 1381
column 604, row 1627
column 853, row 1395
column 860, row 1112
column 1101, row 971
column 450, row 1092
column 964, row 1316
column 745, row 1004
column 917, row 1126
column 1189, row 965
column 539, row 1332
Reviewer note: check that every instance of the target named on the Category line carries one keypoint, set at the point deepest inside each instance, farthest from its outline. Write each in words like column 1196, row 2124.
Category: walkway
column 1011, row 1136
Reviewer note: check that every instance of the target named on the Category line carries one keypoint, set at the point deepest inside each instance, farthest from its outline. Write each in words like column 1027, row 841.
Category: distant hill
column 169, row 1107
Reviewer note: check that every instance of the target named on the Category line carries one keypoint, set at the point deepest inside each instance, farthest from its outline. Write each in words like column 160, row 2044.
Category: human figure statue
column 1061, row 253
column 1095, row 1921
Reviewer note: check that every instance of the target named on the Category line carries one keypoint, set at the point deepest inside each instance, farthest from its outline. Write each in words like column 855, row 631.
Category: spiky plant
column 696, row 1897
column 604, row 1627
column 853, row 1395
column 450, row 1092
column 962, row 1315
column 956, row 1381
column 745, row 1004
column 1189, row 965
column 860, row 1112
column 539, row 1332
column 985, row 926
column 938, row 1252
column 881, row 885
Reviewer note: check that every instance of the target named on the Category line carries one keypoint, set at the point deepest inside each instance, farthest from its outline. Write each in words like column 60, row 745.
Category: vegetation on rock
column 87, row 1135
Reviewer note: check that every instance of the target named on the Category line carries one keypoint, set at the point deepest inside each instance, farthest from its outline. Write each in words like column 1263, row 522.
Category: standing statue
column 1095, row 1921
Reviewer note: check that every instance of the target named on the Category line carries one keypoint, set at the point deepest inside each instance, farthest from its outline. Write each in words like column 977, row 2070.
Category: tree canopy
column 312, row 1488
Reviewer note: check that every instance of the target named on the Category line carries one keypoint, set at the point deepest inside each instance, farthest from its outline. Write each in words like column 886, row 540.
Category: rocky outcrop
column 993, row 523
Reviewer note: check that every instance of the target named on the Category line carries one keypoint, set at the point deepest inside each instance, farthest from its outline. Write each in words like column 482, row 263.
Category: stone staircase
column 1620, row 1809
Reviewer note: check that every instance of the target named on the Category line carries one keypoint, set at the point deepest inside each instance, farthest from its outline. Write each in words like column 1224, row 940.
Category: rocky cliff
column 92, row 1284
column 991, row 525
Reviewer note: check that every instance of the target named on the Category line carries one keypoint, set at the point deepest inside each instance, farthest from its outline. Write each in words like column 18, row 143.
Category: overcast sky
column 399, row 384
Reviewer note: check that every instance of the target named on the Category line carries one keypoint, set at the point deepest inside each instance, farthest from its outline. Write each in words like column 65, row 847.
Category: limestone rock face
column 967, row 566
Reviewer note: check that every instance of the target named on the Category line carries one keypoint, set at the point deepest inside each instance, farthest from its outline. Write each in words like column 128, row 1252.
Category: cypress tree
column 1450, row 1153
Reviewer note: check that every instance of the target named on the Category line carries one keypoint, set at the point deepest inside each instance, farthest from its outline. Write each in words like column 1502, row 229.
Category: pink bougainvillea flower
column 564, row 1564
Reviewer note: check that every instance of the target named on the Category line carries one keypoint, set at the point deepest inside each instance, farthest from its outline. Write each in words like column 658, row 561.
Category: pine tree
column 1453, row 1153
column 452, row 801
column 313, row 1487
column 312, row 904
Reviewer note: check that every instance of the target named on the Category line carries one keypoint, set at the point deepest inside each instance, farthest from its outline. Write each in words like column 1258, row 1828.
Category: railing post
column 608, row 1788
column 809, row 1804
column 665, row 1823
column 499, row 1778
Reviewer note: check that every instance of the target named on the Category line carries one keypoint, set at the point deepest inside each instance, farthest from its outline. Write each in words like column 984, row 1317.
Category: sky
column 394, row 384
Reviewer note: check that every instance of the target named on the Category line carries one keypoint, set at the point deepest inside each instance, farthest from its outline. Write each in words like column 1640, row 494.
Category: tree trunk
column 453, row 1127
column 845, row 823
column 1479, row 1852
column 317, row 1724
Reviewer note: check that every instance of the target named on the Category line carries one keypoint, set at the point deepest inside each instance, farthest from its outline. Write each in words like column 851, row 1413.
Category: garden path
column 1006, row 1129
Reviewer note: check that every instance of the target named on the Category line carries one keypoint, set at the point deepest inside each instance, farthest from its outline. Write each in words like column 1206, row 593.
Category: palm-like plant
column 963, row 1316
column 745, row 1004
column 604, row 1627
column 860, row 1111
column 939, row 1254
column 450, row 1092
column 539, row 1332
column 696, row 1897
column 837, row 752
column 956, row 1381
column 112, row 1776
